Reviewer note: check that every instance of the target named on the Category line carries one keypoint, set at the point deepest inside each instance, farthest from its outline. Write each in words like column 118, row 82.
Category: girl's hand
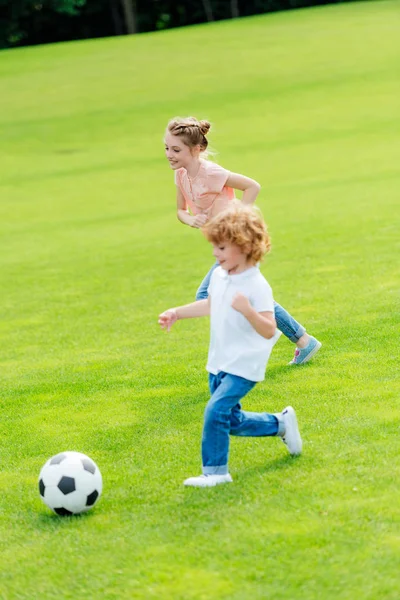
column 199, row 221
column 168, row 318
column 241, row 303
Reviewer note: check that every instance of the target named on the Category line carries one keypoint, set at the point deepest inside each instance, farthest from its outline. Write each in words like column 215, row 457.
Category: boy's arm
column 250, row 187
column 201, row 308
column 263, row 322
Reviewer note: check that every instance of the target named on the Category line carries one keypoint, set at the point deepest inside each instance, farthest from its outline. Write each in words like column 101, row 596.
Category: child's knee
column 215, row 413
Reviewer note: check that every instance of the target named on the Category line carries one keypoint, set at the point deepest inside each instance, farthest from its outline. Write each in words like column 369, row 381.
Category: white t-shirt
column 235, row 346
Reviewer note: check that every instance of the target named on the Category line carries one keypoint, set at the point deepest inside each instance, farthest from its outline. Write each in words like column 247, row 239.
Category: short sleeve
column 262, row 299
column 216, row 177
column 178, row 179
column 211, row 285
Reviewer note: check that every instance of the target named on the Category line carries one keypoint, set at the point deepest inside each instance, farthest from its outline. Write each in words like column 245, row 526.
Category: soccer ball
column 70, row 483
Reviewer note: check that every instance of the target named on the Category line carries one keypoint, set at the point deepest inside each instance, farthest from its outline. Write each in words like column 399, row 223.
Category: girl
column 206, row 189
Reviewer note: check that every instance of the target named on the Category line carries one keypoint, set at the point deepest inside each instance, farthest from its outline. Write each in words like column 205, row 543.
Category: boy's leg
column 252, row 424
column 202, row 292
column 224, row 417
column 227, row 391
column 307, row 345
column 284, row 424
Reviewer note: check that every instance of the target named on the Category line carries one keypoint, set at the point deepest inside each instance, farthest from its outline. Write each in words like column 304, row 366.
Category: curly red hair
column 243, row 226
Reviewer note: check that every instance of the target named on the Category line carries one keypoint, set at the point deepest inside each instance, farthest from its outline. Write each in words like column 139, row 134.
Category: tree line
column 30, row 22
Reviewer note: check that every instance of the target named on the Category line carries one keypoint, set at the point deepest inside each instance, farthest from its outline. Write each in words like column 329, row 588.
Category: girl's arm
column 250, row 187
column 201, row 308
column 263, row 322
column 183, row 214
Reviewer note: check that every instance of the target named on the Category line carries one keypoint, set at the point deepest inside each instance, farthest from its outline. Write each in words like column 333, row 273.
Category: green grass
column 307, row 102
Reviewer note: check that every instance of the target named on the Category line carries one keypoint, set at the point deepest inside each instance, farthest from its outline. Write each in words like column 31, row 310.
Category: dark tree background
column 28, row 22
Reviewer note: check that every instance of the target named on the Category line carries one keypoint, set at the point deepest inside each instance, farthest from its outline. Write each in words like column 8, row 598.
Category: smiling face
column 178, row 153
column 231, row 257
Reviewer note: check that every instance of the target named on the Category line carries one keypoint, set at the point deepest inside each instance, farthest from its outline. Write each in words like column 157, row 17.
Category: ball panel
column 53, row 497
column 66, row 485
column 88, row 465
column 87, row 482
column 75, row 502
column 63, row 512
column 58, row 458
column 50, row 474
column 92, row 498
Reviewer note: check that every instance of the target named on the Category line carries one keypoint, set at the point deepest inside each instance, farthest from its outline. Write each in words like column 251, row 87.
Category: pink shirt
column 207, row 192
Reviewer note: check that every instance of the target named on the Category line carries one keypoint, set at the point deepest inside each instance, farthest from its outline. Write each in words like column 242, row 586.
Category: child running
column 206, row 189
column 243, row 332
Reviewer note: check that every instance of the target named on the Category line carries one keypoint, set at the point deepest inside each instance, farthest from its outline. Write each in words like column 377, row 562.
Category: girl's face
column 230, row 257
column 178, row 154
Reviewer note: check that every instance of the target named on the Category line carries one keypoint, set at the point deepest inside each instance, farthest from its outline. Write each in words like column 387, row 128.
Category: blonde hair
column 243, row 226
column 192, row 131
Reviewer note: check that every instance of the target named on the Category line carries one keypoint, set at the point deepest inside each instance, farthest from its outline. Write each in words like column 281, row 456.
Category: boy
column 243, row 333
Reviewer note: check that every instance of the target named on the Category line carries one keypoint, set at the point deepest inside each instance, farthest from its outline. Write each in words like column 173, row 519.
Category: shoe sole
column 292, row 419
column 309, row 355
column 208, row 484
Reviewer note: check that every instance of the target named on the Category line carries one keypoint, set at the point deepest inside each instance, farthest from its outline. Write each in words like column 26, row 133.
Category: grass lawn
column 306, row 102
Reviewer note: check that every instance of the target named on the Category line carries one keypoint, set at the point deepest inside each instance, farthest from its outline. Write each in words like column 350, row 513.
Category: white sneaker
column 291, row 436
column 208, row 480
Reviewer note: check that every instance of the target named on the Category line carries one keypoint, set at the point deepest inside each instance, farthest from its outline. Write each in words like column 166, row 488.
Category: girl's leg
column 289, row 326
column 219, row 422
column 307, row 345
column 202, row 292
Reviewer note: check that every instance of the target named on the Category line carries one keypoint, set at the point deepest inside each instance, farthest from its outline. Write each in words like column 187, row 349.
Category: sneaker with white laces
column 208, row 480
column 291, row 435
column 303, row 355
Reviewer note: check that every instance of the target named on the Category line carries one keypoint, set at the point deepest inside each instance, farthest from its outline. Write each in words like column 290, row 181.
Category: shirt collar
column 239, row 276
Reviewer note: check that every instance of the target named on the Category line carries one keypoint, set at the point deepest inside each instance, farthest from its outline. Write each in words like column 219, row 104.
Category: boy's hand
column 168, row 318
column 241, row 303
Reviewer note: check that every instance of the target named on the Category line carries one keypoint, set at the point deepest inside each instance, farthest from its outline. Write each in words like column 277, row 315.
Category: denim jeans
column 224, row 416
column 284, row 321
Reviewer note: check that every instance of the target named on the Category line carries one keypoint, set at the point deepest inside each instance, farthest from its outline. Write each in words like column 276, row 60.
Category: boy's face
column 178, row 154
column 231, row 258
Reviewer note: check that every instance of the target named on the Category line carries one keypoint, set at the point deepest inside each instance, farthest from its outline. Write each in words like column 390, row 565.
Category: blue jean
column 224, row 416
column 284, row 321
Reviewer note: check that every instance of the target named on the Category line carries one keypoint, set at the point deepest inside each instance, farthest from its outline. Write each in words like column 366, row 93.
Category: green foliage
column 30, row 22
column 307, row 103
column 69, row 7
column 20, row 15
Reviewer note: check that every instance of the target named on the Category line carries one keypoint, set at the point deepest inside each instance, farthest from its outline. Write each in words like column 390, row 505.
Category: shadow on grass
column 283, row 462
column 244, row 482
column 51, row 522
column 286, row 370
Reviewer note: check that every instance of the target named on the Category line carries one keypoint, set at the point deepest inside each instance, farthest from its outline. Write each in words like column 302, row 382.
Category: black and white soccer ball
column 70, row 483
